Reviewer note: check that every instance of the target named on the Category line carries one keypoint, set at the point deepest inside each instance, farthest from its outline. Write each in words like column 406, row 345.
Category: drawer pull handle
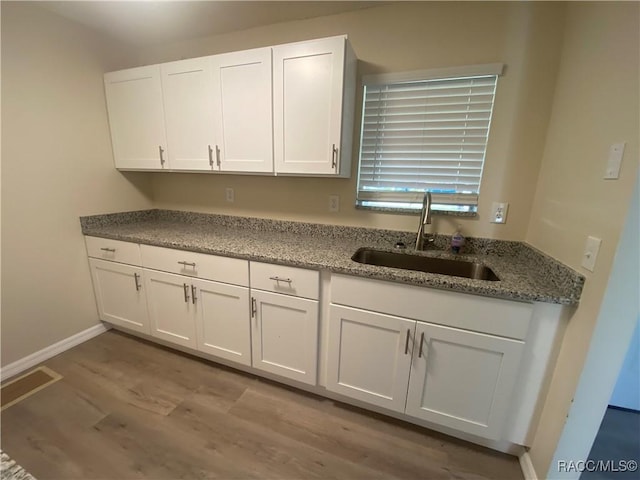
column 406, row 343
column 254, row 307
column 278, row 280
column 110, row 250
column 218, row 156
column 161, row 151
column 135, row 279
column 421, row 344
column 186, row 292
column 210, row 156
column 188, row 264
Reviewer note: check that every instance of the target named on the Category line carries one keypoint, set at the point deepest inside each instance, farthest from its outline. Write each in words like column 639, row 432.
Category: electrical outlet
column 616, row 151
column 229, row 195
column 590, row 254
column 499, row 212
column 334, row 203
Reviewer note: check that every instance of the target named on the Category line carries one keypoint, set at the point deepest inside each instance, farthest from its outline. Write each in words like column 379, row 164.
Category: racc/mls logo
column 567, row 466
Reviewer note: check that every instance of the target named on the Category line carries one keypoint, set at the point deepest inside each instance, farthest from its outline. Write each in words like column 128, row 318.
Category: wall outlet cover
column 499, row 212
column 229, row 195
column 590, row 254
column 334, row 203
column 616, row 151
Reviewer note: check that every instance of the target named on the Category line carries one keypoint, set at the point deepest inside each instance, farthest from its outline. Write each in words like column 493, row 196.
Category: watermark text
column 567, row 466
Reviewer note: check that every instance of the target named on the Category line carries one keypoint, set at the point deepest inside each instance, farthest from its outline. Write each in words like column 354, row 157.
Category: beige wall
column 56, row 165
column 57, row 160
column 596, row 104
column 400, row 37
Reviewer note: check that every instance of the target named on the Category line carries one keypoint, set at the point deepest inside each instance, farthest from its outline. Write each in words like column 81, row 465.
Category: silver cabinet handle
column 110, row 250
column 186, row 292
column 421, row 344
column 254, row 307
column 334, row 157
column 193, row 294
column 135, row 279
column 161, row 151
column 218, row 155
column 278, row 280
column 210, row 156
column 406, row 343
column 188, row 264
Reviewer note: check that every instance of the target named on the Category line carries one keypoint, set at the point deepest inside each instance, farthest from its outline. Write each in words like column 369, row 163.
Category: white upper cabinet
column 283, row 110
column 189, row 110
column 243, row 112
column 313, row 97
column 136, row 117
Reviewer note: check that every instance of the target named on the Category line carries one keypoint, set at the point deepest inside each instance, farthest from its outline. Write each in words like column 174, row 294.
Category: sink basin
column 407, row 261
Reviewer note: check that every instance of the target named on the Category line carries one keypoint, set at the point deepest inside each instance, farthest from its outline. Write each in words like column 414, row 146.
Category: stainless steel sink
column 407, row 261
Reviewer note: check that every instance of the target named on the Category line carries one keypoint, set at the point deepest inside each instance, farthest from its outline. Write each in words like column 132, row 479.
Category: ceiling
column 144, row 23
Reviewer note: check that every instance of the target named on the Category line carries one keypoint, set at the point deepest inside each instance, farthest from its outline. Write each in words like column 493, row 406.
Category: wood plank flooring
column 129, row 409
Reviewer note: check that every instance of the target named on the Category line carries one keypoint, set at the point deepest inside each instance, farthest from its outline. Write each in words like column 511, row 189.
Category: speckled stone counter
column 525, row 273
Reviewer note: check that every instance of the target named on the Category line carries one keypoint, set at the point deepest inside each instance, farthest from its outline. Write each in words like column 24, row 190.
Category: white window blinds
column 422, row 135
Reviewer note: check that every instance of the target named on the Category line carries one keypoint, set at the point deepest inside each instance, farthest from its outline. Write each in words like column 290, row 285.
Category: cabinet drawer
column 210, row 267
column 469, row 312
column 114, row 250
column 299, row 282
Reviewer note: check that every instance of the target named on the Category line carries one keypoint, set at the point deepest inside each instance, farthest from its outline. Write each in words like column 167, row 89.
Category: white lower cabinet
column 120, row 294
column 369, row 356
column 172, row 310
column 448, row 376
column 450, row 360
column 462, row 379
column 223, row 328
column 284, row 335
column 208, row 316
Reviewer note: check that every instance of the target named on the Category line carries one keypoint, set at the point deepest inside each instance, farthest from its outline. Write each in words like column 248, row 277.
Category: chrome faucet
column 425, row 219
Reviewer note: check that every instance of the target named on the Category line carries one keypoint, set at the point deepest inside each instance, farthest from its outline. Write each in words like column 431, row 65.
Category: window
column 425, row 131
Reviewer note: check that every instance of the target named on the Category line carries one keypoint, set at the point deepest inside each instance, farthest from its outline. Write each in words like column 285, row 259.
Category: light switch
column 616, row 151
column 590, row 254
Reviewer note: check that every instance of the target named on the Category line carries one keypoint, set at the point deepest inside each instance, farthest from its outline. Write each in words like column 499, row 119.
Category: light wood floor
column 130, row 409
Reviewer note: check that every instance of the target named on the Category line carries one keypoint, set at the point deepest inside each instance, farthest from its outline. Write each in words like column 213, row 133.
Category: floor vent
column 26, row 385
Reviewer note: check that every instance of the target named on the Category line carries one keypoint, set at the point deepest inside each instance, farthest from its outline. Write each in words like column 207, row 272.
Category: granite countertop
column 525, row 273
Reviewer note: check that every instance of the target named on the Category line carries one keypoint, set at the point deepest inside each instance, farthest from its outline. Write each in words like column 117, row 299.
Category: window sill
column 413, row 211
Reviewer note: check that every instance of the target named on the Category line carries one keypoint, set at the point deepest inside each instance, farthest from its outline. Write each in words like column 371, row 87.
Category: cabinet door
column 284, row 335
column 243, row 112
column 307, row 105
column 171, row 308
column 136, row 118
column 120, row 294
column 189, row 107
column 462, row 380
column 369, row 356
column 222, row 321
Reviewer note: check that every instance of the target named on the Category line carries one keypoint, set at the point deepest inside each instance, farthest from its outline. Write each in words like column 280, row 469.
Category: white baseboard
column 527, row 467
column 51, row 351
